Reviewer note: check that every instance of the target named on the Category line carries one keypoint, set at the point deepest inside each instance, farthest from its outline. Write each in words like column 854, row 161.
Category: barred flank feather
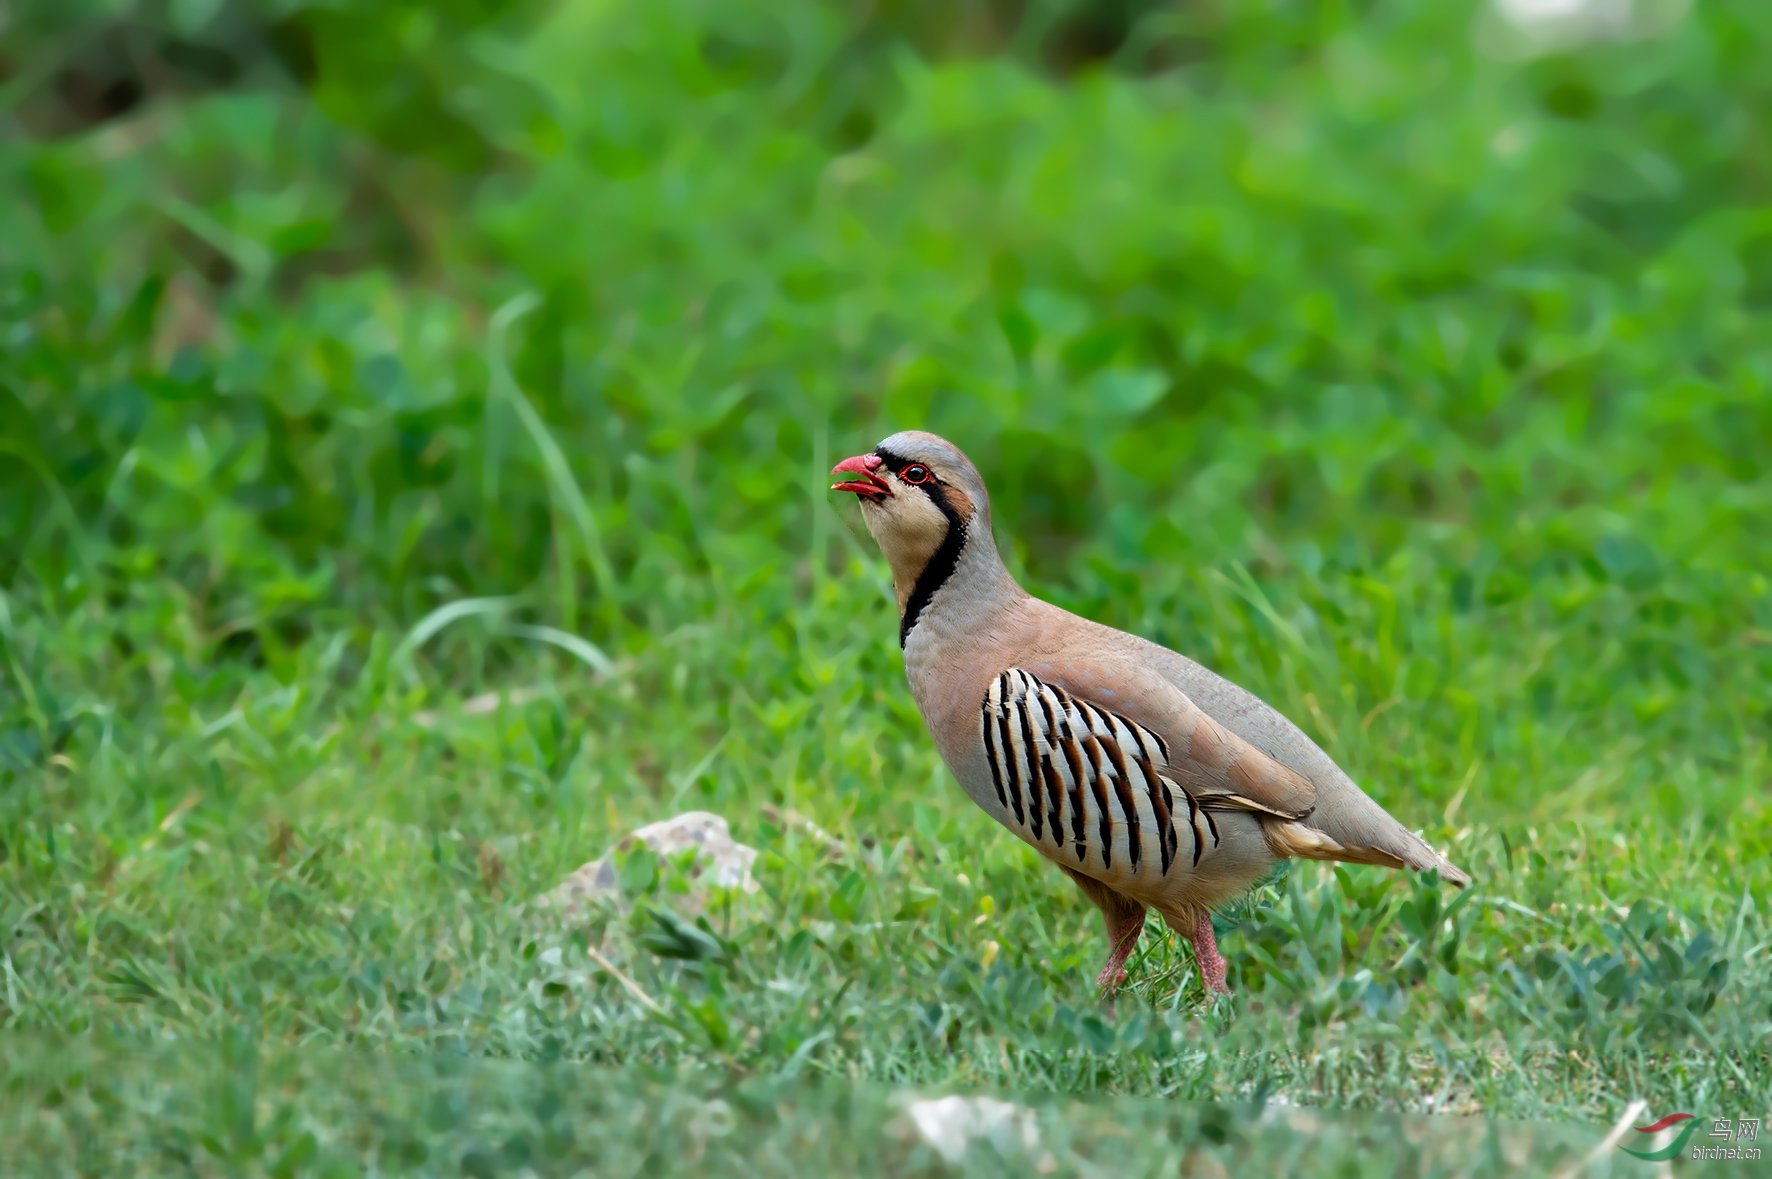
column 1085, row 783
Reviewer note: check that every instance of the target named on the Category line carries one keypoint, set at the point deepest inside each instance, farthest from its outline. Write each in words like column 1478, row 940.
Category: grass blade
column 568, row 498
column 443, row 616
column 584, row 650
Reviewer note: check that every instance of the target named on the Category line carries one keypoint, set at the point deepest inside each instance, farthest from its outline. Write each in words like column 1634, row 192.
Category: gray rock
column 720, row 862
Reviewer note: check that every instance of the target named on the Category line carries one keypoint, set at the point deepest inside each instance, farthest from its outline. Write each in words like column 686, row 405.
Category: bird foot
column 1124, row 938
column 1211, row 962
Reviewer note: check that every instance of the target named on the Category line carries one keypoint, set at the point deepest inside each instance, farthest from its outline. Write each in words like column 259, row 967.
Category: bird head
column 920, row 498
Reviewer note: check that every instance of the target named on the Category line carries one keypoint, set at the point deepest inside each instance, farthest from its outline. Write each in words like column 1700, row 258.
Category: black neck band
column 941, row 564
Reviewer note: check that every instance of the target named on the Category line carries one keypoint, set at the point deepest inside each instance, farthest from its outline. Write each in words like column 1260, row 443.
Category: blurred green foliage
column 1338, row 295
column 413, row 426
column 243, row 1110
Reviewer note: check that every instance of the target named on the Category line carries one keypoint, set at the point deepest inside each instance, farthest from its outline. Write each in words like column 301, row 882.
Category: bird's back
column 953, row 656
column 1343, row 811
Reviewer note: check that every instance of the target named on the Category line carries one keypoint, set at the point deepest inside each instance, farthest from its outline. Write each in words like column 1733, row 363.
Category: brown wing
column 1216, row 767
column 1084, row 782
column 1222, row 769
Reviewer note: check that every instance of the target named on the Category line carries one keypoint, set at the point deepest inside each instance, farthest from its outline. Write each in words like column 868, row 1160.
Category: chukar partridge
column 1151, row 781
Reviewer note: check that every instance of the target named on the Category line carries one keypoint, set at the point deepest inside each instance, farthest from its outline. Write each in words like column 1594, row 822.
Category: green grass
column 236, row 1109
column 446, row 354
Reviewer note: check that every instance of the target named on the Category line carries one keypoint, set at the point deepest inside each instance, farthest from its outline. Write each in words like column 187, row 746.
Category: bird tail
column 1293, row 839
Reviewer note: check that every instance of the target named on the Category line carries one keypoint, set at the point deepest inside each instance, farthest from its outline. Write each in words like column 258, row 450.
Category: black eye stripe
column 947, row 556
column 898, row 464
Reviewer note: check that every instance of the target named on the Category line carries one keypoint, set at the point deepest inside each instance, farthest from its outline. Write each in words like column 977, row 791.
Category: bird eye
column 915, row 473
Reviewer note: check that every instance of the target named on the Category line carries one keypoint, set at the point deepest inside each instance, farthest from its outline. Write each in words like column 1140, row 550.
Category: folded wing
column 1128, row 788
column 1093, row 788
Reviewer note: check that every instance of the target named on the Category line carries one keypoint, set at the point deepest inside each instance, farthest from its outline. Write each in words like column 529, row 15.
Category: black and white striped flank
column 1088, row 786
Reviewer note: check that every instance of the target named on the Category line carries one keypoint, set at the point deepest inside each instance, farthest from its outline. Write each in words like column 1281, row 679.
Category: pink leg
column 1121, row 940
column 1212, row 964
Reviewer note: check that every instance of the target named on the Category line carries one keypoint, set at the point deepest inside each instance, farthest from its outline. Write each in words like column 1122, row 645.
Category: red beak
column 868, row 486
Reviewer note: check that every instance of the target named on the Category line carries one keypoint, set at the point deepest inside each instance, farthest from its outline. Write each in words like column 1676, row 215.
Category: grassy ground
column 1418, row 386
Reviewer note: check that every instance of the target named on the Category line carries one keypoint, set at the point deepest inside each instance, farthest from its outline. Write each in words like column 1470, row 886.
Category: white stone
column 951, row 1124
column 720, row 861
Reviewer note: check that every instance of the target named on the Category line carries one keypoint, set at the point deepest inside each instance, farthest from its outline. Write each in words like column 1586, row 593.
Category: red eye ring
column 915, row 473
